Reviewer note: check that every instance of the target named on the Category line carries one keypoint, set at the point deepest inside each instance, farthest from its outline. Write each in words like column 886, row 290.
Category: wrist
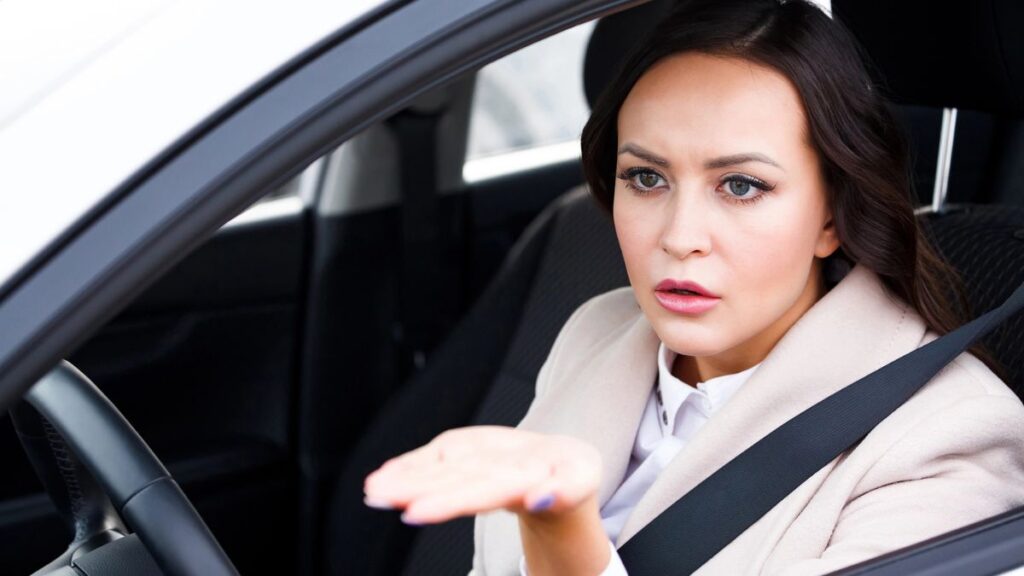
column 572, row 519
column 570, row 542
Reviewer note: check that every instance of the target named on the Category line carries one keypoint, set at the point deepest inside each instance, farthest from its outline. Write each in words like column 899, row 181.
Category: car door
column 204, row 364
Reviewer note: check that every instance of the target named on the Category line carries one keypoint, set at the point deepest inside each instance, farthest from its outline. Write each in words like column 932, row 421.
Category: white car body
column 94, row 90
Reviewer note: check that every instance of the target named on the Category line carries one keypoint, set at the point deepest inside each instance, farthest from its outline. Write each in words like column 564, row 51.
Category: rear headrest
column 964, row 54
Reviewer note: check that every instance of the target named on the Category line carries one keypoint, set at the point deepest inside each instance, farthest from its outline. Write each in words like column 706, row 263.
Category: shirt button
column 664, row 417
column 657, row 394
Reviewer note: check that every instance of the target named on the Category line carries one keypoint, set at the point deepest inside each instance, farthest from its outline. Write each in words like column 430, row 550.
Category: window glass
column 534, row 97
column 531, row 98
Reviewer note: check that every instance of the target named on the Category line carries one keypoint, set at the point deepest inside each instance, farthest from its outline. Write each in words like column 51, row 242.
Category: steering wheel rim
column 138, row 485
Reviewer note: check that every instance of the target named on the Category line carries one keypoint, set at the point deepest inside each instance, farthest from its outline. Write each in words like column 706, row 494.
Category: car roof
column 95, row 90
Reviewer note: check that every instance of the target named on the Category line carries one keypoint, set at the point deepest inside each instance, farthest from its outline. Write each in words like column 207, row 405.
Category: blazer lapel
column 603, row 401
column 854, row 329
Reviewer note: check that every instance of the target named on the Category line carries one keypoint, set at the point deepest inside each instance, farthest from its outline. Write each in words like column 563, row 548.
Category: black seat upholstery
column 986, row 245
column 485, row 372
column 972, row 59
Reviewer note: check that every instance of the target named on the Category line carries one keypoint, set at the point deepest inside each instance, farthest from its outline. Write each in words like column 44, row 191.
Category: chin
column 688, row 347
column 688, row 336
column 692, row 340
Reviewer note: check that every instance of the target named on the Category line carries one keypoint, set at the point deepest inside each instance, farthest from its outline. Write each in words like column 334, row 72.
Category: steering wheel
column 98, row 471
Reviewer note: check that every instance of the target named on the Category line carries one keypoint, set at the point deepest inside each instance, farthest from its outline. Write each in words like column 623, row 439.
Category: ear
column 828, row 239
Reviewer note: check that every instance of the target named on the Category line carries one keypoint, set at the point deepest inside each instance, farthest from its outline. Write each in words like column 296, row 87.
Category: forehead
column 715, row 101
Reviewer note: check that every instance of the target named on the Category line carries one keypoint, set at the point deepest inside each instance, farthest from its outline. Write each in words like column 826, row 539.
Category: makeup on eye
column 633, row 179
column 738, row 186
column 744, row 183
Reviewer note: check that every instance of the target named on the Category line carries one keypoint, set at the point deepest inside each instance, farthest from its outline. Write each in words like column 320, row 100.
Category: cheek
column 766, row 247
column 636, row 230
column 771, row 252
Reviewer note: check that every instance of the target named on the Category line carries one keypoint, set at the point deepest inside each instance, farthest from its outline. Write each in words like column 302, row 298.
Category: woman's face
column 717, row 184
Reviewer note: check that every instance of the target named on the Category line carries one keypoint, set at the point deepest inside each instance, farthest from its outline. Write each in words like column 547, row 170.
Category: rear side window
column 529, row 107
column 530, row 100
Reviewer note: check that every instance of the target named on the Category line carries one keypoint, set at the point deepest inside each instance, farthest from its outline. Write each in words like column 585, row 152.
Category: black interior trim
column 985, row 547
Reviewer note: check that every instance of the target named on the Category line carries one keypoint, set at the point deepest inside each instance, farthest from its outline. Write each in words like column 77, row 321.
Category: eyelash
column 763, row 187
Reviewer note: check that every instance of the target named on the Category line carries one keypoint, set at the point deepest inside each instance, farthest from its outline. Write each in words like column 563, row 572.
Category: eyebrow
column 720, row 162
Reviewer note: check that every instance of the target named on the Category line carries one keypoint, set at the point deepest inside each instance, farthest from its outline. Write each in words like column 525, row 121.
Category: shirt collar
column 707, row 396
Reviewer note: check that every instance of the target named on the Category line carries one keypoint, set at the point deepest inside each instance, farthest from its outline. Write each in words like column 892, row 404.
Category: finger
column 498, row 484
column 451, row 477
column 483, row 495
column 403, row 474
column 379, row 485
column 399, row 490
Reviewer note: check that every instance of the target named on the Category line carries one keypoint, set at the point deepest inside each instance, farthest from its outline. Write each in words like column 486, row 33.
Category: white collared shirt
column 674, row 413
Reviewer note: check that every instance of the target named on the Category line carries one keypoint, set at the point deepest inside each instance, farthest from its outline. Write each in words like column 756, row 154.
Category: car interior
column 381, row 297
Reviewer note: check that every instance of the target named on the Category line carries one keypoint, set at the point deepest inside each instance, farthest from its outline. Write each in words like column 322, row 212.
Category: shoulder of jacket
column 964, row 402
column 964, row 422
column 967, row 389
column 589, row 324
column 967, row 376
column 608, row 309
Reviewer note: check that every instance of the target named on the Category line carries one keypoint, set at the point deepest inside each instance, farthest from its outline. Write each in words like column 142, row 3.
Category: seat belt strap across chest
column 715, row 512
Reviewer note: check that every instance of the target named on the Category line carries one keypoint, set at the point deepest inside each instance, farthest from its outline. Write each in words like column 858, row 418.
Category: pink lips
column 699, row 302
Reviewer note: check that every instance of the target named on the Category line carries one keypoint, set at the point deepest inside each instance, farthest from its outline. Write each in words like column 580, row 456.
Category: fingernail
column 543, row 504
column 379, row 504
column 410, row 521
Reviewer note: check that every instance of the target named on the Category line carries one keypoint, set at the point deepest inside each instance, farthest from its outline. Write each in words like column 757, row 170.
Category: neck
column 694, row 369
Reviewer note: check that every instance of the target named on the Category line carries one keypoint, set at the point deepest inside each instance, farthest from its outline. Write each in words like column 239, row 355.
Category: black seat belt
column 422, row 298
column 711, row 515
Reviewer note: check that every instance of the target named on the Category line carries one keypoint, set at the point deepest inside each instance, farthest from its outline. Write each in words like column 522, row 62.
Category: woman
column 747, row 164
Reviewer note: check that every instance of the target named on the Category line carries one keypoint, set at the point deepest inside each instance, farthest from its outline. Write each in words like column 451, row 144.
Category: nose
column 687, row 229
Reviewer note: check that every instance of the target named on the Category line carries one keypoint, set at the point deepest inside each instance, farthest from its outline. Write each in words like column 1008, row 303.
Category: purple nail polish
column 544, row 503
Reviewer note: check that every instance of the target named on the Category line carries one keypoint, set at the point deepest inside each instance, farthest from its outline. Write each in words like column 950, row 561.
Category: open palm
column 476, row 469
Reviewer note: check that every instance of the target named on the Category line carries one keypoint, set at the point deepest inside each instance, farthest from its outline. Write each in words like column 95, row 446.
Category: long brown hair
column 863, row 151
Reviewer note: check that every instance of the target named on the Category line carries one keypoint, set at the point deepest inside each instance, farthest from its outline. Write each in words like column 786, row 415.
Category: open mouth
column 685, row 292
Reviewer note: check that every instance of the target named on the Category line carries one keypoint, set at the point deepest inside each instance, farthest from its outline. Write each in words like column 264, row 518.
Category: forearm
column 570, row 543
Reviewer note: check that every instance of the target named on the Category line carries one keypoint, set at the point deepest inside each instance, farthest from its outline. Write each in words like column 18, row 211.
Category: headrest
column 962, row 54
column 612, row 40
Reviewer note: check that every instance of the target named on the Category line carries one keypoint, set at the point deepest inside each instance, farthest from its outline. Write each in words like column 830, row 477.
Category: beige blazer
column 951, row 455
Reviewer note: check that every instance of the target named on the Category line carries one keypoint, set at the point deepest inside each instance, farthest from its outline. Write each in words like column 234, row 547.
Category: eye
column 738, row 187
column 744, row 189
column 642, row 180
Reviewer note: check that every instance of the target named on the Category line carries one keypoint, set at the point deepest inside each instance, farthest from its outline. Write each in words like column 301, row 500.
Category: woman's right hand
column 549, row 481
column 476, row 469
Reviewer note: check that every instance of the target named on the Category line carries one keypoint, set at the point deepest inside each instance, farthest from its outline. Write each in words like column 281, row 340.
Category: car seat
column 484, row 372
